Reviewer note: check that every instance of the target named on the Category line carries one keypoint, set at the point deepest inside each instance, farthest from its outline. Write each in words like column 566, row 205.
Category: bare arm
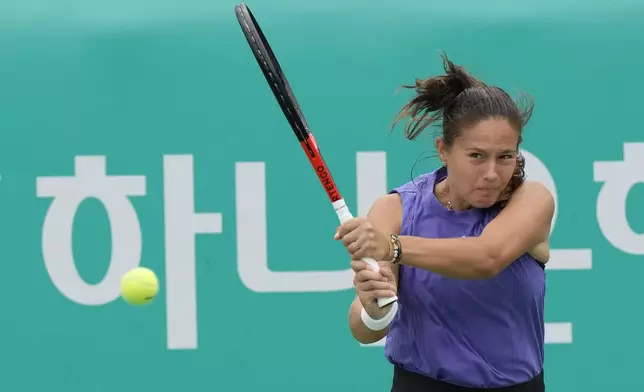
column 386, row 215
column 523, row 224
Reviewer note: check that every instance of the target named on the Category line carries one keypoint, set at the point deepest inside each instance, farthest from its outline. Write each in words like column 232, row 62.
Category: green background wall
column 168, row 91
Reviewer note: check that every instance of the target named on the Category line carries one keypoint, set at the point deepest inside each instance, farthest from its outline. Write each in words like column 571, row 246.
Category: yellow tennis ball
column 139, row 286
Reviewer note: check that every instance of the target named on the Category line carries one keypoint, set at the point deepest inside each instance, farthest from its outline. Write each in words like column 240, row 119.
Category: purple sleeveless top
column 477, row 333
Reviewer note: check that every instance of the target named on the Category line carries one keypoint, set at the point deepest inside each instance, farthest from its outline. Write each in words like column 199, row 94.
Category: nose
column 491, row 174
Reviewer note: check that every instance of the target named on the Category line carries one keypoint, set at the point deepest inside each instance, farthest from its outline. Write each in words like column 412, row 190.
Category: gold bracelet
column 397, row 248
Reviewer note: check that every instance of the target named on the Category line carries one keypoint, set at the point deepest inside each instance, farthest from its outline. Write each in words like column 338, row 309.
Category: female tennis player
column 463, row 247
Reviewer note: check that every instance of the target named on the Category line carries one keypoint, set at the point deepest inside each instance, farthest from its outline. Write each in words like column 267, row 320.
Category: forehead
column 490, row 134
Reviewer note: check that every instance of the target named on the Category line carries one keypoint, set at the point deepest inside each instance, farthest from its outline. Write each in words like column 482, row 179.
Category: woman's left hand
column 363, row 240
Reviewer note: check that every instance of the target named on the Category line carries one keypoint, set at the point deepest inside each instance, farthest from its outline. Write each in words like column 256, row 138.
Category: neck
column 449, row 199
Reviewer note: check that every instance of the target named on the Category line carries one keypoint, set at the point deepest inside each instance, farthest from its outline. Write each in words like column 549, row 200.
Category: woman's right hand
column 371, row 285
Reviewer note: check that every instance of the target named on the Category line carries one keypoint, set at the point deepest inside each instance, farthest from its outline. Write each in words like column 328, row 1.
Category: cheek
column 471, row 176
column 507, row 171
column 462, row 171
column 505, row 175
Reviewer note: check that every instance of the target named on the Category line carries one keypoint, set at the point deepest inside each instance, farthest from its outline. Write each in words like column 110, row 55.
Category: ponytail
column 434, row 97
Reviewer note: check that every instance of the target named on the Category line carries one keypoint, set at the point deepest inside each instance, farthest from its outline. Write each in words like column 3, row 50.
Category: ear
column 441, row 149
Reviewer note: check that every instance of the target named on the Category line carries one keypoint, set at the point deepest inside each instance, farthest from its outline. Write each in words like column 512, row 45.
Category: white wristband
column 382, row 323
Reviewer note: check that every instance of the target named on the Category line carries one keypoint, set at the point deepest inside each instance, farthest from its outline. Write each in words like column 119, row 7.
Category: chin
column 483, row 203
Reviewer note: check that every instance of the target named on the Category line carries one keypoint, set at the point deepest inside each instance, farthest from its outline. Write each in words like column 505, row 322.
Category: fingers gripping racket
column 282, row 91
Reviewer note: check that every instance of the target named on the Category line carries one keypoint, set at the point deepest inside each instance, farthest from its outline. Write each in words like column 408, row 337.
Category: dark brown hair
column 459, row 100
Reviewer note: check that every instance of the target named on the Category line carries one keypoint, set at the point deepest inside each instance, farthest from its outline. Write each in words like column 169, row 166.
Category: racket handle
column 343, row 213
column 382, row 302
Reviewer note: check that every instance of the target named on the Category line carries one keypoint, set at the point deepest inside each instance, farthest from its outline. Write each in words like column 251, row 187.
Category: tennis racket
column 282, row 91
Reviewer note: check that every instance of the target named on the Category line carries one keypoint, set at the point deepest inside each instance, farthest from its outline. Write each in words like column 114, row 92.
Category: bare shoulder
column 386, row 213
column 390, row 202
column 535, row 194
column 530, row 201
column 537, row 198
column 533, row 187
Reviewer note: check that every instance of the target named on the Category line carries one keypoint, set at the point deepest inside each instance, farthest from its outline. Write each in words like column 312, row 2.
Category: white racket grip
column 343, row 213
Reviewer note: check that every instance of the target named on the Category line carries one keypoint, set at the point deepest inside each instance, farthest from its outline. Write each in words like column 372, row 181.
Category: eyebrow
column 512, row 150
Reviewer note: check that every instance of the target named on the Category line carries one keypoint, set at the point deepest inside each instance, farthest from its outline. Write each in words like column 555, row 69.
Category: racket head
column 272, row 71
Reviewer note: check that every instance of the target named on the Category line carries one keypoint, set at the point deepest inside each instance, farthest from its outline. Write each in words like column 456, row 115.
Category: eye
column 476, row 155
column 507, row 156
